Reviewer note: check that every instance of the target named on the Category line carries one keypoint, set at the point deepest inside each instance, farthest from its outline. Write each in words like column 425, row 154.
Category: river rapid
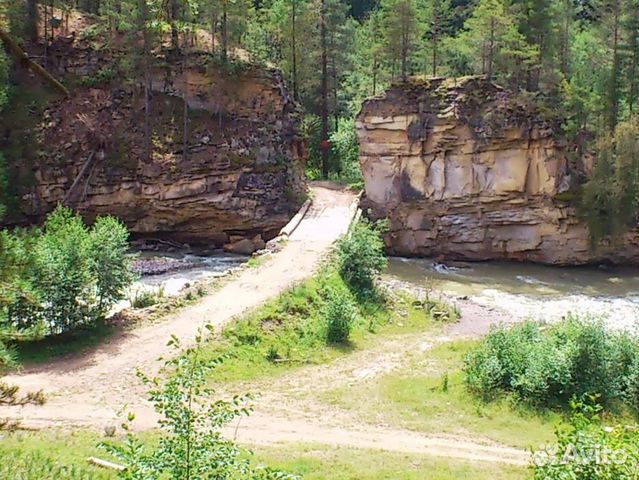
column 533, row 291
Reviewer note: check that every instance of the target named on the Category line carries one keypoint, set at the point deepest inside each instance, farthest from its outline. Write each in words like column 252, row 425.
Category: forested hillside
column 578, row 58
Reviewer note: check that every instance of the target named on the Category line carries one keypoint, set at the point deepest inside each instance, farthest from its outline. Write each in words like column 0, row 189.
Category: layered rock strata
column 464, row 170
column 236, row 174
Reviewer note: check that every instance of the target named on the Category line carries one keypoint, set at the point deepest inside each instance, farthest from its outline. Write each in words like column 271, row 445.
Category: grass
column 429, row 397
column 61, row 455
column 45, row 350
column 290, row 331
column 322, row 463
column 51, row 456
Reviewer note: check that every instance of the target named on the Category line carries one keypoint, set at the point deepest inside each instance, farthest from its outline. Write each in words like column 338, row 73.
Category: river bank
column 515, row 292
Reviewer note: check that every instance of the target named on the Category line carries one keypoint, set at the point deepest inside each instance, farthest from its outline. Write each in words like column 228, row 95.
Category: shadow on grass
column 81, row 340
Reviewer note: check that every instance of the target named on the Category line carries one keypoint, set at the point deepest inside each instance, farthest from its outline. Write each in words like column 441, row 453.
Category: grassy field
column 51, row 456
column 63, row 456
column 429, row 396
column 290, row 332
column 425, row 395
column 314, row 462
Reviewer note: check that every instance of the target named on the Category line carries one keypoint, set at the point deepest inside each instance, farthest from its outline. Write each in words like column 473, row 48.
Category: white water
column 171, row 283
column 534, row 291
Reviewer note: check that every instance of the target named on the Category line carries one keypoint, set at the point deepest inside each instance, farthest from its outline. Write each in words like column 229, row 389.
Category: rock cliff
column 240, row 179
column 463, row 170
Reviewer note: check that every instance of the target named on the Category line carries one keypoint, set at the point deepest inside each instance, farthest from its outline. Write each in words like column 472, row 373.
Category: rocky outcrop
column 463, row 170
column 241, row 175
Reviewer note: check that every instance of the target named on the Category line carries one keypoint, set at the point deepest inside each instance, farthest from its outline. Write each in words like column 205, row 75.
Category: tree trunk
column 294, row 48
column 174, row 13
column 213, row 27
column 34, row 67
column 375, row 67
column 613, row 107
column 144, row 19
column 31, row 26
column 225, row 39
column 324, row 91
column 435, row 40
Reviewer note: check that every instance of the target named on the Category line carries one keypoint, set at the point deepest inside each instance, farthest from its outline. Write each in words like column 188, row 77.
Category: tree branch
column 21, row 55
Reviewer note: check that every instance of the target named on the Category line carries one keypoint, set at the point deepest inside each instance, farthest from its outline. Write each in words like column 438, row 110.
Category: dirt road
column 89, row 390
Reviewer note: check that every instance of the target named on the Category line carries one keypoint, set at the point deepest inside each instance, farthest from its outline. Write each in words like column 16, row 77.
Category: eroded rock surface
column 242, row 172
column 464, row 171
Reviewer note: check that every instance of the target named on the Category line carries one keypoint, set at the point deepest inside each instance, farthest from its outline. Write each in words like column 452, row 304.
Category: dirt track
column 90, row 390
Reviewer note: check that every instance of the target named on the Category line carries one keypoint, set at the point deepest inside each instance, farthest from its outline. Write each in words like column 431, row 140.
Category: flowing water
column 195, row 268
column 168, row 273
column 533, row 291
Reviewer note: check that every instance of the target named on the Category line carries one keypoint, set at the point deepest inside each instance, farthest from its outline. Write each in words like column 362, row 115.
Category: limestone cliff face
column 464, row 171
column 241, row 174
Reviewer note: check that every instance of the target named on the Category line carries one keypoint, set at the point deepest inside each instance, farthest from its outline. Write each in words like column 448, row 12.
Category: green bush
column 362, row 257
column 340, row 314
column 549, row 366
column 191, row 444
column 64, row 276
column 588, row 450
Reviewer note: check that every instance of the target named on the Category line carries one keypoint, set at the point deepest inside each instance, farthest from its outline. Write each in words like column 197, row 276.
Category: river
column 522, row 290
column 171, row 272
column 533, row 291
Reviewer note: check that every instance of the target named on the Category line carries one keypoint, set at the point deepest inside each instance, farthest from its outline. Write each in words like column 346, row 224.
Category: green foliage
column 64, row 276
column 492, row 43
column 610, row 201
column 588, row 450
column 4, row 79
column 345, row 151
column 292, row 330
column 101, row 77
column 191, row 446
column 546, row 367
column 340, row 313
column 362, row 256
column 145, row 298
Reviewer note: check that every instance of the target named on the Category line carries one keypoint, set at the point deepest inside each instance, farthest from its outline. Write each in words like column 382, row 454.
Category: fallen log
column 76, row 182
column 105, row 464
column 22, row 56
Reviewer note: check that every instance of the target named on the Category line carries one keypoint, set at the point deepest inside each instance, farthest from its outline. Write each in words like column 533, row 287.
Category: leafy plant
column 340, row 313
column 588, row 450
column 143, row 298
column 191, row 446
column 361, row 256
column 610, row 201
column 63, row 276
column 549, row 366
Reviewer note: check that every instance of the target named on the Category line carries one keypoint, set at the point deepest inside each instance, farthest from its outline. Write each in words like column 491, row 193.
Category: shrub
column 587, row 450
column 340, row 313
column 345, row 149
column 191, row 445
column 65, row 275
column 610, row 201
column 109, row 261
column 548, row 367
column 362, row 257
